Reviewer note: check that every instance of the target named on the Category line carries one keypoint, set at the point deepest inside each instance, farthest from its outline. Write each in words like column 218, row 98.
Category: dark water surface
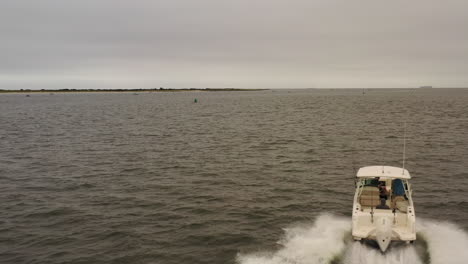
column 156, row 178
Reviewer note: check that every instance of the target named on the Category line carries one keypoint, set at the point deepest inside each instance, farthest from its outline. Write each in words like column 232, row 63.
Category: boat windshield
column 371, row 182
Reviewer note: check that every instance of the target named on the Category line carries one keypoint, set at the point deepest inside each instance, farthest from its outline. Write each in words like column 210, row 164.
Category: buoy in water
column 195, row 100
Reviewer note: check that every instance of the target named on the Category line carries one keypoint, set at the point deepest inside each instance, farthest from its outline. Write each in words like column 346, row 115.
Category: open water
column 239, row 177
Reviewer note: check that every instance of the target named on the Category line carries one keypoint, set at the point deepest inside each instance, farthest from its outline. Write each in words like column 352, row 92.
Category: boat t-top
column 383, row 208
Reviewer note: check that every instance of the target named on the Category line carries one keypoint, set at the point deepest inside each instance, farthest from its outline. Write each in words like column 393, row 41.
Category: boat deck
column 370, row 198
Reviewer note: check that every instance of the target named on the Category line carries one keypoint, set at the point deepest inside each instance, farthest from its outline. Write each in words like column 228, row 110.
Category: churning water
column 239, row 177
column 328, row 240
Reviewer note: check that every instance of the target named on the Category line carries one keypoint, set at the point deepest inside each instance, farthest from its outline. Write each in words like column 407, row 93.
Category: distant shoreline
column 132, row 90
column 158, row 90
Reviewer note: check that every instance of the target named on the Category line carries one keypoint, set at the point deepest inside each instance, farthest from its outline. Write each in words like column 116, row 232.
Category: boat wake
column 328, row 241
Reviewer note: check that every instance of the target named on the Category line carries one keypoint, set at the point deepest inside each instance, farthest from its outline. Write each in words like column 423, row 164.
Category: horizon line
column 217, row 88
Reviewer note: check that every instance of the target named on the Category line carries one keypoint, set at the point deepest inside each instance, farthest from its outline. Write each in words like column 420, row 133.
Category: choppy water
column 240, row 177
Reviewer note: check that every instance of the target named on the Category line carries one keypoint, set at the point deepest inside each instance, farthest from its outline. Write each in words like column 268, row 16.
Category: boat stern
column 383, row 232
column 383, row 228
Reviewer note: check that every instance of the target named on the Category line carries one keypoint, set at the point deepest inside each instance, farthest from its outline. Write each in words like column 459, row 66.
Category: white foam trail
column 358, row 253
column 328, row 239
column 312, row 245
column 447, row 243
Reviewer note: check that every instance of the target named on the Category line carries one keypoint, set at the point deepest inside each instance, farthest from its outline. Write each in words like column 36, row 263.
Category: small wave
column 311, row 151
column 52, row 212
column 328, row 241
column 78, row 186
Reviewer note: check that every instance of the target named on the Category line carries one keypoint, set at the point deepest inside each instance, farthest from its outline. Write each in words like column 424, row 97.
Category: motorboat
column 383, row 208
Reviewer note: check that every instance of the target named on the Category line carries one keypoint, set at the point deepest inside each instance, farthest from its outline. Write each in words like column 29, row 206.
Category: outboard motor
column 383, row 232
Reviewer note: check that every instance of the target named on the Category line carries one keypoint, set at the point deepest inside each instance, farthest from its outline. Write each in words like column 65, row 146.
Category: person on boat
column 383, row 193
column 398, row 192
column 398, row 187
column 383, row 204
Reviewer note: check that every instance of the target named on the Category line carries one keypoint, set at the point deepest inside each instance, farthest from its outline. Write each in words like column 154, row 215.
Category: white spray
column 301, row 245
column 447, row 243
column 328, row 241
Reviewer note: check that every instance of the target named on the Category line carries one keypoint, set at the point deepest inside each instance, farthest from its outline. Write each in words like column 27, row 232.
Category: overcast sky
column 236, row 43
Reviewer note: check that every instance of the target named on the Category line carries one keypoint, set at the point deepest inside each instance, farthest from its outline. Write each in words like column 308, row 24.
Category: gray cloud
column 214, row 43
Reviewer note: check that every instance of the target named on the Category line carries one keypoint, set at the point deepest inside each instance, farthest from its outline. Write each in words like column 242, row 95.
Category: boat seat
column 370, row 190
column 369, row 200
column 400, row 203
column 369, row 196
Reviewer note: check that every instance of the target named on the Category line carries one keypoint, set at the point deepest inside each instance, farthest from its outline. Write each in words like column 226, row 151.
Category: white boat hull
column 383, row 225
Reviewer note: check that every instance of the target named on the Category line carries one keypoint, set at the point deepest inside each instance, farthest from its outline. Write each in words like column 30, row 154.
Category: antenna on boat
column 404, row 149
